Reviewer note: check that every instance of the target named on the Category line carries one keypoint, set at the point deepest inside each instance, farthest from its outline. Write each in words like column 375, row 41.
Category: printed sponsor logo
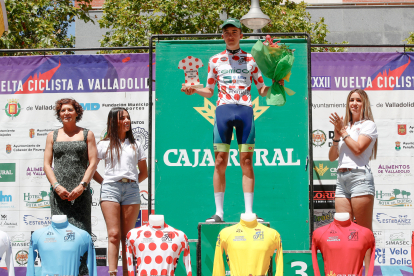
column 70, row 236
column 391, row 198
column 318, row 138
column 400, row 256
column 22, row 256
column 235, row 79
column 380, row 255
column 324, row 196
column 8, row 221
column 379, row 238
column 141, row 135
column 402, row 129
column 397, row 220
column 12, row 108
column 180, row 157
column 7, row 172
column 8, row 148
column 321, row 82
column 35, row 173
column 32, row 220
column 101, row 256
column 239, row 231
column 90, row 106
column 230, row 71
column 19, row 240
column 5, row 198
column 40, row 200
column 325, row 170
column 394, row 169
column 31, row 133
column 333, row 239
column 49, row 240
column 208, row 111
column 239, row 238
column 397, row 239
column 259, row 236
column 397, row 145
column 323, row 218
column 144, row 200
column 168, row 236
column 353, row 236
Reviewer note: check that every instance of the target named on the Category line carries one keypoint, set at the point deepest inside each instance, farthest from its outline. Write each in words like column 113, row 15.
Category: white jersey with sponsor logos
column 157, row 250
column 234, row 74
column 6, row 250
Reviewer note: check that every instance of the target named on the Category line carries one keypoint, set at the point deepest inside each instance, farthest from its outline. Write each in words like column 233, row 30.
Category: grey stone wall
column 366, row 24
column 89, row 34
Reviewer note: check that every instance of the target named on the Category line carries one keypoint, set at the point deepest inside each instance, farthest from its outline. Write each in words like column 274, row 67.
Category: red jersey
column 343, row 245
column 157, row 250
column 412, row 248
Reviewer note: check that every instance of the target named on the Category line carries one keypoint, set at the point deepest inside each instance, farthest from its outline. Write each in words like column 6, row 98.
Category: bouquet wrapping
column 276, row 63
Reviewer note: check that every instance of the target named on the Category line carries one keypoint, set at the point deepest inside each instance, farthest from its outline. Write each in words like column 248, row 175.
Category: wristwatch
column 85, row 185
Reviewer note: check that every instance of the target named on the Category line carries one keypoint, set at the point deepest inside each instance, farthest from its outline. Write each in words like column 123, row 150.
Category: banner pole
column 310, row 150
column 150, row 130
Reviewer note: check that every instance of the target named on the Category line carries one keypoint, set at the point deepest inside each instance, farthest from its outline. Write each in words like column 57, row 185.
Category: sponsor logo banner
column 400, row 196
column 9, row 220
column 324, row 196
column 323, row 217
column 394, row 257
column 7, row 172
column 324, row 170
column 389, row 219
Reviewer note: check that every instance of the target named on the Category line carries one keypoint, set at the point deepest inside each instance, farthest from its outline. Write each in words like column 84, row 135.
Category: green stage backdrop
column 184, row 152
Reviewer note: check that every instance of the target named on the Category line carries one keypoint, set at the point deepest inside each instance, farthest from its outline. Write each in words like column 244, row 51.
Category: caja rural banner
column 388, row 78
column 29, row 87
column 184, row 154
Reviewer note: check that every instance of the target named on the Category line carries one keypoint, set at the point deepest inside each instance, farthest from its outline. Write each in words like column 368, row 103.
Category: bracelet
column 346, row 136
column 336, row 141
column 56, row 185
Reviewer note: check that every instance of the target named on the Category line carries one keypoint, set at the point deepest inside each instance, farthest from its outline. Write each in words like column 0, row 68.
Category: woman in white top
column 355, row 143
column 120, row 196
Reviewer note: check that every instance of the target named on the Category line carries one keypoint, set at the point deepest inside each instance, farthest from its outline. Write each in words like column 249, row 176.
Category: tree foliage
column 410, row 40
column 132, row 22
column 42, row 23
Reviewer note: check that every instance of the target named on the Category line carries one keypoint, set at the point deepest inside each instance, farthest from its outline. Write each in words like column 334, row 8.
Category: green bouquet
column 275, row 61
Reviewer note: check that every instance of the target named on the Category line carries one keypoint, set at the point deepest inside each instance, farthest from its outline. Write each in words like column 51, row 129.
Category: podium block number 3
column 302, row 269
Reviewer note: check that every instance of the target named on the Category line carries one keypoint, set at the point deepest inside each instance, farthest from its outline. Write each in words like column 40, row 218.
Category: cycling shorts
column 231, row 116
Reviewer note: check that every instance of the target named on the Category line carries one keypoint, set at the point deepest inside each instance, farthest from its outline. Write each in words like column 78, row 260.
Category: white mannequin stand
column 156, row 220
column 248, row 216
column 59, row 218
column 341, row 216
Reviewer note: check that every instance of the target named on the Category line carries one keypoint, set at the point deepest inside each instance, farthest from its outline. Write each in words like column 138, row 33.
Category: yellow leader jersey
column 248, row 247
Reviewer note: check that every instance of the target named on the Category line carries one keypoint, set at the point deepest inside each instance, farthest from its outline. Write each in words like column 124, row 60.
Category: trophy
column 190, row 65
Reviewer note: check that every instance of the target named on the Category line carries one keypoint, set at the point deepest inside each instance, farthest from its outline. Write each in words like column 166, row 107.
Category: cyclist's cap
column 233, row 22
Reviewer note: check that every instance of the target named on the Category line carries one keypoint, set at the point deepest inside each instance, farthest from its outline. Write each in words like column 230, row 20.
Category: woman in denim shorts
column 120, row 197
column 355, row 143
